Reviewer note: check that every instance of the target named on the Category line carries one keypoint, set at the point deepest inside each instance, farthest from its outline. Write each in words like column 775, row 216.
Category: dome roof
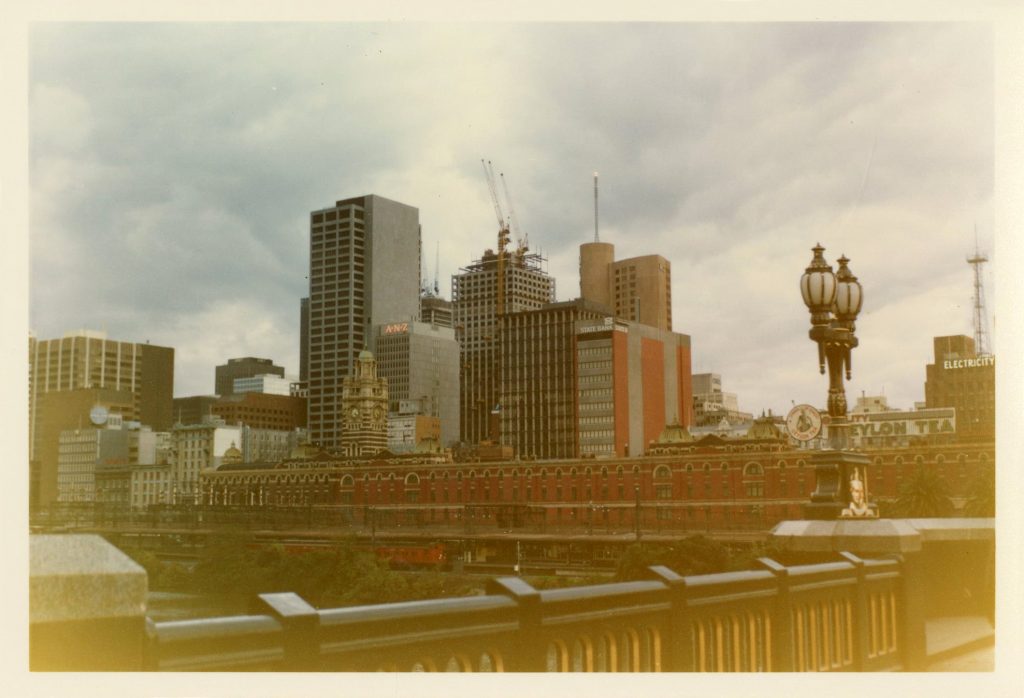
column 675, row 433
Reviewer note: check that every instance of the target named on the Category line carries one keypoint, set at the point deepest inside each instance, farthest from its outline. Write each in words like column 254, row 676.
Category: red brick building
column 684, row 484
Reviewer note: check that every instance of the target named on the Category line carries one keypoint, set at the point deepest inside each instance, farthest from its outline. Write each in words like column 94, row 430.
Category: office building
column 436, row 311
column 262, row 411
column 409, row 431
column 267, row 384
column 714, row 408
column 303, row 340
column 421, row 365
column 638, row 289
column 478, row 303
column 536, row 405
column 245, row 367
column 633, row 381
column 965, row 380
column 195, row 448
column 194, row 409
column 364, row 270
column 70, row 376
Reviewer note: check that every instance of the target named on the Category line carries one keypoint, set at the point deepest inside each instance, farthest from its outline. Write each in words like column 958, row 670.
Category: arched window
column 412, row 479
column 347, row 481
column 662, row 471
column 753, row 469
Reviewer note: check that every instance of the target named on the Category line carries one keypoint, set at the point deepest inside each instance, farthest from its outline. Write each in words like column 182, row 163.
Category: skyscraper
column 421, row 364
column 71, row 375
column 364, row 270
column 481, row 295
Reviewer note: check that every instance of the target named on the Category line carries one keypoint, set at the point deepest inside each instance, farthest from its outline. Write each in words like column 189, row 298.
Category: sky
column 173, row 166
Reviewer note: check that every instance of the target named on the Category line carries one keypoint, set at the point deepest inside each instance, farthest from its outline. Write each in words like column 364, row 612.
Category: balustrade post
column 531, row 650
column 782, row 618
column 861, row 627
column 679, row 650
column 301, row 624
column 912, row 627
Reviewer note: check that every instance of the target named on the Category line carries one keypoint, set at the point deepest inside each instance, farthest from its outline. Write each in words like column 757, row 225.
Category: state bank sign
column 927, row 422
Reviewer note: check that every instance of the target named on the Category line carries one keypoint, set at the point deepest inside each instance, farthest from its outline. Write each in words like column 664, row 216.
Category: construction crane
column 521, row 242
column 503, row 238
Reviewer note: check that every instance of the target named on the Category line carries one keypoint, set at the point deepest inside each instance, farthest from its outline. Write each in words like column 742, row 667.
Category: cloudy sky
column 172, row 168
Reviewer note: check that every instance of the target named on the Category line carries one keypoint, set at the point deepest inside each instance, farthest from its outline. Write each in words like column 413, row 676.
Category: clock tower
column 364, row 402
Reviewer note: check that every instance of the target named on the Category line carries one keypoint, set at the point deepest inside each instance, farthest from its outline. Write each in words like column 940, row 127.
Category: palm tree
column 981, row 495
column 924, row 495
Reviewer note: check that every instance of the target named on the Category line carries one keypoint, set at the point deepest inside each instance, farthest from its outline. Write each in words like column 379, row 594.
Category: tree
column 924, row 496
column 981, row 495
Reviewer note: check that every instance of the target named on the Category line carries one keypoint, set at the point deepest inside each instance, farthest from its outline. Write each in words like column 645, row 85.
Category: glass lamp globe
column 849, row 294
column 818, row 286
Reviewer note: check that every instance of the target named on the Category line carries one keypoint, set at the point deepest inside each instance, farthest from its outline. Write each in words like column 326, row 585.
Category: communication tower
column 980, row 318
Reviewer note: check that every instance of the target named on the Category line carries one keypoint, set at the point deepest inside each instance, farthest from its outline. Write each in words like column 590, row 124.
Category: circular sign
column 803, row 422
column 98, row 415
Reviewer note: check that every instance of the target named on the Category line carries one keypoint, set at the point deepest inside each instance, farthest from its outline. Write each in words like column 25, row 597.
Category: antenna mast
column 596, row 239
column 980, row 319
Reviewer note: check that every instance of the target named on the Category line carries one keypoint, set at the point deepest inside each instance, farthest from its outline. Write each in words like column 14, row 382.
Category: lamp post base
column 831, row 496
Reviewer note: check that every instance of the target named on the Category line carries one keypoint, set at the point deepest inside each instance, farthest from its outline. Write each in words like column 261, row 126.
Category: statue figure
column 858, row 507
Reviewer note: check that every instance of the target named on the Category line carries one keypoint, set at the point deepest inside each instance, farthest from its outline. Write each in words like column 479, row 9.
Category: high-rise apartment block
column 483, row 292
column 82, row 370
column 638, row 289
column 364, row 270
column 246, row 367
column 421, row 365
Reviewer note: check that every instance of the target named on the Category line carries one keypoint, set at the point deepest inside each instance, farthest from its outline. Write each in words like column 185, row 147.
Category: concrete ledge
column 87, row 605
column 954, row 529
column 866, row 536
column 877, row 536
column 81, row 577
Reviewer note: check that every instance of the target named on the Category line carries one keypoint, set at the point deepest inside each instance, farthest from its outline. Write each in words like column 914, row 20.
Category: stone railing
column 846, row 614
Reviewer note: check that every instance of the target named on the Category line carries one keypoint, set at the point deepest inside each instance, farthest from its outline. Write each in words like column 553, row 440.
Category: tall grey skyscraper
column 364, row 270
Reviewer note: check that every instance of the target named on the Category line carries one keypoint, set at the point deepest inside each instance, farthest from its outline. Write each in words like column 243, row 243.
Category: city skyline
column 173, row 168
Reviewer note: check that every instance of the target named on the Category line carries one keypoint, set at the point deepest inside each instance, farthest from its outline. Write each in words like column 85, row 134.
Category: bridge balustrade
column 835, row 616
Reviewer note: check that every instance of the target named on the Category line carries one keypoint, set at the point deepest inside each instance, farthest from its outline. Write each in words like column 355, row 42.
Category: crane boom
column 521, row 245
column 489, row 176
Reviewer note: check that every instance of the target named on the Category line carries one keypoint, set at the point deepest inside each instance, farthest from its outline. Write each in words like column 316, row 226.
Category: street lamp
column 834, row 300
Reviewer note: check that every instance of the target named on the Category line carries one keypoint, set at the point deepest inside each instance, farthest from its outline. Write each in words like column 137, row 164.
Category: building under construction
column 495, row 285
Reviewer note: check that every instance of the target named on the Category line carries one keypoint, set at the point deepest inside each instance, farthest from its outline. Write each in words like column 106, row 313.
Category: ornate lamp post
column 834, row 300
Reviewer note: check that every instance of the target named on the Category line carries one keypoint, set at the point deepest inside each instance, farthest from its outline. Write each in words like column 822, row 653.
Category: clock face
column 355, row 413
column 98, row 415
column 803, row 422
